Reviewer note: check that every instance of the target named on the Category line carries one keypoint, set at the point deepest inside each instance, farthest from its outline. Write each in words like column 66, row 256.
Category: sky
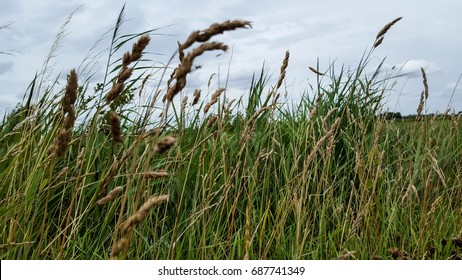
column 428, row 36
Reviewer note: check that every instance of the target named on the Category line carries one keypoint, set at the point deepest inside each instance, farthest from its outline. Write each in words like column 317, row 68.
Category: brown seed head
column 138, row 47
column 71, row 91
column 387, row 27
column 164, row 144
column 155, row 174
column 124, row 75
column 143, row 212
column 282, row 75
column 214, row 29
column 197, row 95
column 316, row 71
column 211, row 121
column 186, row 65
column 115, row 91
column 110, row 196
column 114, row 122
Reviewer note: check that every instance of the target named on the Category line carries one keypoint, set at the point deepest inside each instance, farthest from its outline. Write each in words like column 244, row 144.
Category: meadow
column 92, row 173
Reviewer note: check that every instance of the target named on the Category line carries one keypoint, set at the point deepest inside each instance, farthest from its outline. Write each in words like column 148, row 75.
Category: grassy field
column 94, row 174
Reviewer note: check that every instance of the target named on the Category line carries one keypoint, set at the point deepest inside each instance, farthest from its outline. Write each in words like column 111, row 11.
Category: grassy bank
column 94, row 174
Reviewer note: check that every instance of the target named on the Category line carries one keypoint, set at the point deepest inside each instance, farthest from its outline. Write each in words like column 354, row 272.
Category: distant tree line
column 398, row 116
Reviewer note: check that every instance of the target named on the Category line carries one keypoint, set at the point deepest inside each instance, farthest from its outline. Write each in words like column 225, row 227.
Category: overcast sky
column 428, row 36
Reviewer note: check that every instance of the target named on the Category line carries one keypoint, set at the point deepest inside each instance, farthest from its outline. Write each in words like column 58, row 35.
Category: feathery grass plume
column 67, row 103
column 179, row 74
column 155, row 174
column 110, row 196
column 125, row 71
column 197, row 95
column 214, row 29
column 202, row 157
column 138, row 47
column 383, row 31
column 114, row 122
column 315, row 71
column 214, row 99
column 424, row 95
column 211, row 121
column 164, row 144
column 142, row 212
column 184, row 102
column 118, row 248
column 284, row 65
column 186, row 65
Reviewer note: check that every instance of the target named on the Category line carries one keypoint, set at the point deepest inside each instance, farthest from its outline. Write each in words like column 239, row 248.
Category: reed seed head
column 316, row 71
column 186, row 65
column 214, row 29
column 387, row 27
column 155, row 174
column 197, row 96
column 139, row 46
column 282, row 75
column 114, row 122
column 110, row 196
column 164, row 144
column 143, row 212
column 383, row 31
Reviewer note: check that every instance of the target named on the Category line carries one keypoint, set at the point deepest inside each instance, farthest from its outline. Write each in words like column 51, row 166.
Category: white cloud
column 412, row 68
column 5, row 67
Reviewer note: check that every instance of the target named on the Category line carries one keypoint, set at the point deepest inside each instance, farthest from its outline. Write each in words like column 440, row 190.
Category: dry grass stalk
column 316, row 71
column 214, row 29
column 424, row 95
column 164, row 144
column 179, row 74
column 383, row 31
column 138, row 47
column 284, row 65
column 118, row 248
column 63, row 135
column 257, row 114
column 186, row 65
column 125, row 71
column 114, row 122
column 202, row 157
column 155, row 174
column 142, row 212
column 214, row 99
column 110, row 196
column 211, row 121
column 197, row 95
column 183, row 102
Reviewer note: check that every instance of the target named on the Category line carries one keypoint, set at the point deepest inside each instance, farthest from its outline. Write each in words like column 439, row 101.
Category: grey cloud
column 412, row 68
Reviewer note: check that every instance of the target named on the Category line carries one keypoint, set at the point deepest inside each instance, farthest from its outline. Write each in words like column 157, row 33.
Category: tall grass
column 323, row 179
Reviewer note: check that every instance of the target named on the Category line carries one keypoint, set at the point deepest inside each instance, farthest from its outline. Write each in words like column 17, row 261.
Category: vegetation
column 96, row 175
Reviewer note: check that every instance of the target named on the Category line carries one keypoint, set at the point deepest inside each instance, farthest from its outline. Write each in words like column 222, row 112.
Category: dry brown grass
column 114, row 122
column 383, row 31
column 110, row 196
column 63, row 135
column 214, row 99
